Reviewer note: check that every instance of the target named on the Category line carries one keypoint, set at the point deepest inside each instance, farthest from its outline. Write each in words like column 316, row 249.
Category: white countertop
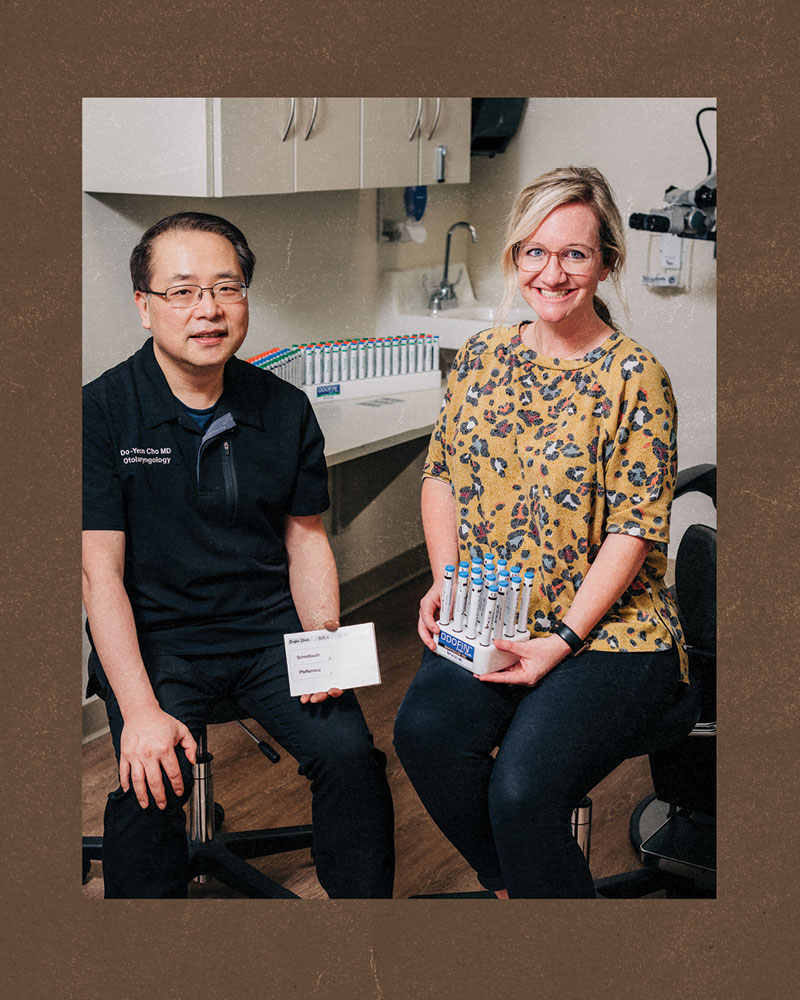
column 356, row 427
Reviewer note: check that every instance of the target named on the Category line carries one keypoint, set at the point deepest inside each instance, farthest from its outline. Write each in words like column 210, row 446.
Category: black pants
column 509, row 816
column 145, row 853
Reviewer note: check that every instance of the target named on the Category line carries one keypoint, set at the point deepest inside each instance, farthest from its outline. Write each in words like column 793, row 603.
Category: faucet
column 444, row 295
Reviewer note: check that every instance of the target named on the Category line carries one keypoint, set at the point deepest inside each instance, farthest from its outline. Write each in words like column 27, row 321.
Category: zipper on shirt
column 229, row 476
column 216, row 430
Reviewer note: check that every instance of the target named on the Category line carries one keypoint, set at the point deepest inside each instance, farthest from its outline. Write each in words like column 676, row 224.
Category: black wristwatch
column 572, row 639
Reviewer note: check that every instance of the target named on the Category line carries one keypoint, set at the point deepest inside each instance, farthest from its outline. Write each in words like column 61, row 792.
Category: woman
column 556, row 449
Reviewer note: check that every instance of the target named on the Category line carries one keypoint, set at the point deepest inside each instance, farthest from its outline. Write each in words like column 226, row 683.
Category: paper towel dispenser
column 494, row 122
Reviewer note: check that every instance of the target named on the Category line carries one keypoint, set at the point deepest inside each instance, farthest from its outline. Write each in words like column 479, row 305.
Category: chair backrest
column 684, row 775
column 696, row 586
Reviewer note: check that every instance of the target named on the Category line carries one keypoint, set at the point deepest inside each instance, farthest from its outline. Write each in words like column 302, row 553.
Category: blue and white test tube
column 500, row 611
column 308, row 357
column 462, row 592
column 336, row 350
column 428, row 352
column 512, row 600
column 525, row 602
column 353, row 349
column 317, row 364
column 488, row 579
column 435, row 363
column 344, row 361
column 326, row 363
column 370, row 359
column 475, row 590
column 447, row 595
column 379, row 357
column 488, row 615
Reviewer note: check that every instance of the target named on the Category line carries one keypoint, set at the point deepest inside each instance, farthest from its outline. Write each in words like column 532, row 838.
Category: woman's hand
column 427, row 626
column 537, row 657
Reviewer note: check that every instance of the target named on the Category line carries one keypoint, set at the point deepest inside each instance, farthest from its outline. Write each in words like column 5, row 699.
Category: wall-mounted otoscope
column 690, row 213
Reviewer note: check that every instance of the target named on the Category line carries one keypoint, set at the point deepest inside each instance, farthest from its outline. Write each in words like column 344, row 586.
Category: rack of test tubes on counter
column 483, row 601
column 345, row 369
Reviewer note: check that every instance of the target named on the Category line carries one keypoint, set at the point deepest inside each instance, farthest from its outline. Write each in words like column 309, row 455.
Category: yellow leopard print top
column 546, row 457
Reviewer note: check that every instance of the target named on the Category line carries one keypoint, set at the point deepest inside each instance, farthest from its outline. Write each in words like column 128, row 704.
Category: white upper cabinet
column 148, row 145
column 273, row 145
column 390, row 141
column 217, row 147
column 401, row 136
column 327, row 144
column 447, row 122
column 253, row 145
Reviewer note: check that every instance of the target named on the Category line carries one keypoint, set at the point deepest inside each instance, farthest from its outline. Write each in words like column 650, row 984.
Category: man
column 204, row 482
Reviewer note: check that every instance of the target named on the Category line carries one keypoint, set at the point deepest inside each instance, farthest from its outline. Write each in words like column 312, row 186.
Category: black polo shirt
column 203, row 512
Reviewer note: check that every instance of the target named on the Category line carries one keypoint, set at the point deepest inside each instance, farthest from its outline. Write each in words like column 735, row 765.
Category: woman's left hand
column 537, row 657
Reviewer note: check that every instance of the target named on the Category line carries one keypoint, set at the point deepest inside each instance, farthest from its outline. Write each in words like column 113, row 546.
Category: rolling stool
column 222, row 855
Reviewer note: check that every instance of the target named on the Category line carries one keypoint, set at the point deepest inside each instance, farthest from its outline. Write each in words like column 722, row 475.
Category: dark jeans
column 145, row 852
column 509, row 816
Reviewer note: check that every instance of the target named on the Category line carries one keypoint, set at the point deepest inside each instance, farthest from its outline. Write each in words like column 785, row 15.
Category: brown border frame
column 740, row 945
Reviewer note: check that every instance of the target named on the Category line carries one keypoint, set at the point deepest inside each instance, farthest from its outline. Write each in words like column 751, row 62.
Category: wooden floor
column 258, row 794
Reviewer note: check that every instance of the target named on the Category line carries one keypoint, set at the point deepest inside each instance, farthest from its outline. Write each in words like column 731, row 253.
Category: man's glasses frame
column 187, row 296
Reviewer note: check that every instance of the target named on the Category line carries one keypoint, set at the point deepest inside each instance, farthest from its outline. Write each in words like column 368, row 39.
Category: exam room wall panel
column 642, row 145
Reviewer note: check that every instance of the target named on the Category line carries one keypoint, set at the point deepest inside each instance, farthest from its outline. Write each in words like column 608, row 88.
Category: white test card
column 320, row 660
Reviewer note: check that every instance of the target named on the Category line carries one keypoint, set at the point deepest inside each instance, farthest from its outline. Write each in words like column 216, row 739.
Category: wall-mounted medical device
column 687, row 213
column 690, row 213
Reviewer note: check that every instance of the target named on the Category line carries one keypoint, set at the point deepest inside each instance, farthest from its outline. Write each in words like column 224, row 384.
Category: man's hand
column 331, row 625
column 147, row 744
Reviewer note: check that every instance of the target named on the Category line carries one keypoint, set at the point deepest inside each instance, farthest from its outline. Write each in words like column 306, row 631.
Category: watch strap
column 572, row 639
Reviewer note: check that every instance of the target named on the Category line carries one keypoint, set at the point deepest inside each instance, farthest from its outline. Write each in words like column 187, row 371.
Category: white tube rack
column 376, row 386
column 469, row 653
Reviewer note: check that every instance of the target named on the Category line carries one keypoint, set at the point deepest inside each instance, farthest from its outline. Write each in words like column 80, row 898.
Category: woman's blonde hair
column 564, row 186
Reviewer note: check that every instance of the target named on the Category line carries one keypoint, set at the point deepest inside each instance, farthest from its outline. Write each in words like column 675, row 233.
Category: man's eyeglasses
column 186, row 296
column 531, row 257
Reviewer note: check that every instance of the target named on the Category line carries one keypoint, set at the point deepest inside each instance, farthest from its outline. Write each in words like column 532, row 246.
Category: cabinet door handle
column 290, row 120
column 436, row 117
column 314, row 107
column 418, row 119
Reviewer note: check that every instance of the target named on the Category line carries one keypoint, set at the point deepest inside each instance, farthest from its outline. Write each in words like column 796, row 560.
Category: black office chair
column 222, row 855
column 674, row 829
